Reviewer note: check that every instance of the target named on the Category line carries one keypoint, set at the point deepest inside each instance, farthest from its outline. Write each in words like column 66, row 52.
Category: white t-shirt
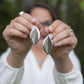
column 30, row 73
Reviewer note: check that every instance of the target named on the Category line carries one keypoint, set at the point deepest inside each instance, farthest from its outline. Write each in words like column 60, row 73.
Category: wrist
column 59, row 56
column 63, row 65
column 15, row 60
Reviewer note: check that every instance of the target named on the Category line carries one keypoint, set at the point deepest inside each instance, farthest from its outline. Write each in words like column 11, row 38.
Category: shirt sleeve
column 75, row 60
column 8, row 74
column 73, row 77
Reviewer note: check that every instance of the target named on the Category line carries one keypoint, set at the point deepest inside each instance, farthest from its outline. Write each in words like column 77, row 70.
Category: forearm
column 8, row 74
column 63, row 65
column 15, row 60
column 72, row 77
column 66, row 73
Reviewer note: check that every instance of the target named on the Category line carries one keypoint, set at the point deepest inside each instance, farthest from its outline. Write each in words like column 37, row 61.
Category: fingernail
column 56, row 44
column 50, row 28
column 32, row 26
column 33, row 20
column 51, row 36
column 25, row 35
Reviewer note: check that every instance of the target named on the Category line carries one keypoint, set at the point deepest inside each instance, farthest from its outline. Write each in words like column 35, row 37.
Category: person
column 20, row 63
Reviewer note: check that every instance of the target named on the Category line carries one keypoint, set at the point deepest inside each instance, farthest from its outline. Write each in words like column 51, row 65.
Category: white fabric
column 30, row 73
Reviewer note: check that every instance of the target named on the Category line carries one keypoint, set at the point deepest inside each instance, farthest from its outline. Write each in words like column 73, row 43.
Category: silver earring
column 47, row 45
column 35, row 35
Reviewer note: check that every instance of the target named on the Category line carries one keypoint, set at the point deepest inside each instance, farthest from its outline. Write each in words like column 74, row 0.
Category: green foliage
column 53, row 2
column 8, row 10
column 81, row 5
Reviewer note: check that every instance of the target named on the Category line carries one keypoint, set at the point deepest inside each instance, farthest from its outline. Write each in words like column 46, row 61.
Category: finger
column 12, row 21
column 66, row 41
column 35, row 22
column 15, row 33
column 23, row 22
column 75, row 40
column 19, row 27
column 27, row 16
column 62, row 35
column 60, row 28
column 46, row 30
column 54, row 25
column 38, row 24
column 31, row 19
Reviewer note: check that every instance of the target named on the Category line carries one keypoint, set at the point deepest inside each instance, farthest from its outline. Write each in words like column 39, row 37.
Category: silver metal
column 47, row 45
column 35, row 35
column 20, row 13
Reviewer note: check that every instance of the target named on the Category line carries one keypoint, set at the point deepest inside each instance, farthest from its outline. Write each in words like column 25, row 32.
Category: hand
column 17, row 33
column 63, row 41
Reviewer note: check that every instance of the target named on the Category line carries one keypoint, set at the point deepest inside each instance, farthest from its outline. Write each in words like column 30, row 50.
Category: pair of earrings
column 35, row 36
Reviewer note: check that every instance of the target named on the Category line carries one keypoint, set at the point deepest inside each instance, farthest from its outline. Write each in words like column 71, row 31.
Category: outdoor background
column 69, row 11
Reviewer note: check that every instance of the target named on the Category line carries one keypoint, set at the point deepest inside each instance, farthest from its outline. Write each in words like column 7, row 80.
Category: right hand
column 17, row 33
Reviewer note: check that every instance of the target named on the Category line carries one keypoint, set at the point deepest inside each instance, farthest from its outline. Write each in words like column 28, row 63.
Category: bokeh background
column 69, row 11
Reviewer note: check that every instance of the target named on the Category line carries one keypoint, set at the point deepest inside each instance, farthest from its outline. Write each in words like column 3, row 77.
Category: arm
column 66, row 73
column 16, row 35
column 63, row 43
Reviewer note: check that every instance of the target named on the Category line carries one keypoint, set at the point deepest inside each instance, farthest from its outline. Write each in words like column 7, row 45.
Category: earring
column 35, row 35
column 47, row 45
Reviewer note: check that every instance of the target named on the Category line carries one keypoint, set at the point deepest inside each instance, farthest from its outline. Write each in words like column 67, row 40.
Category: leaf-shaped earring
column 47, row 45
column 35, row 35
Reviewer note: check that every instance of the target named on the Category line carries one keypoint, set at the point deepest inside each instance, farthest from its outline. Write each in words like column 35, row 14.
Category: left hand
column 64, row 40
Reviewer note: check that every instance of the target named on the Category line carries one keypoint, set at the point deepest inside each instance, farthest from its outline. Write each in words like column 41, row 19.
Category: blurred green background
column 69, row 11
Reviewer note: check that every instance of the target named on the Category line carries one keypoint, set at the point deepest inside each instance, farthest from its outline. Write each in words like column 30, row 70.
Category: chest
column 34, row 75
